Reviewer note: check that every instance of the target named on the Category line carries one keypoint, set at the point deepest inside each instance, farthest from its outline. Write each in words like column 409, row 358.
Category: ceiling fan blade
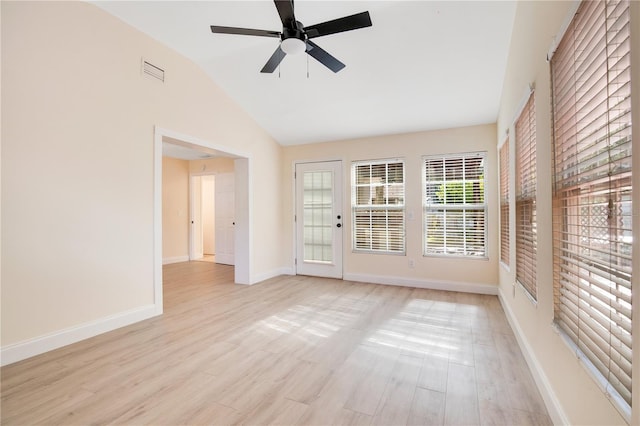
column 244, row 31
column 348, row 23
column 285, row 10
column 324, row 57
column 273, row 61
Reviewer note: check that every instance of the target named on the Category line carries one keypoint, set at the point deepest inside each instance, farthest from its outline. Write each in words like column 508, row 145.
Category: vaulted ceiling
column 423, row 65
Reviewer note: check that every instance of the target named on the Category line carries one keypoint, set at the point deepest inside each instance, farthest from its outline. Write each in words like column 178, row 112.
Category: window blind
column 526, row 223
column 455, row 210
column 591, row 79
column 378, row 210
column 504, row 202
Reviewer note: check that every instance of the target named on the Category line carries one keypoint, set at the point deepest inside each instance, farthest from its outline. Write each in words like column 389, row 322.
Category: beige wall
column 557, row 369
column 410, row 147
column 76, row 109
column 175, row 208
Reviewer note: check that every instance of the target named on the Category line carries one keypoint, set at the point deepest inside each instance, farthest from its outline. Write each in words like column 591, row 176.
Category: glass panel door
column 319, row 219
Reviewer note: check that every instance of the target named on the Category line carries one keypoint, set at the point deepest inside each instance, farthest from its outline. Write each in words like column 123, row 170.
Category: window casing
column 504, row 202
column 591, row 106
column 378, row 206
column 454, row 205
column 526, row 221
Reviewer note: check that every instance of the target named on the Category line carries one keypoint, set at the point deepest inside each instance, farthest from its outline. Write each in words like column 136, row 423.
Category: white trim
column 523, row 103
column 603, row 384
column 477, row 288
column 504, row 140
column 272, row 274
column 157, row 219
column 244, row 236
column 175, row 259
column 563, row 29
column 192, row 221
column 48, row 342
column 505, row 266
column 193, row 142
column 243, row 253
column 294, row 222
column 557, row 414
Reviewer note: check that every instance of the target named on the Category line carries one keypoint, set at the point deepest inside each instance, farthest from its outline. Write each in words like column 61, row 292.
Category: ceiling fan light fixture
column 293, row 46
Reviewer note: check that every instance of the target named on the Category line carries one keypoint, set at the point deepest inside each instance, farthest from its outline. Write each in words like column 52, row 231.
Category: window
column 526, row 224
column 378, row 206
column 591, row 103
column 504, row 202
column 455, row 211
column 317, row 196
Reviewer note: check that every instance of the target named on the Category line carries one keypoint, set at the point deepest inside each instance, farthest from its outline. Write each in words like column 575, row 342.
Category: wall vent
column 153, row 71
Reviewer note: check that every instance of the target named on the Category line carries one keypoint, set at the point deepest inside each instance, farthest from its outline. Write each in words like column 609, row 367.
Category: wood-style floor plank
column 290, row 350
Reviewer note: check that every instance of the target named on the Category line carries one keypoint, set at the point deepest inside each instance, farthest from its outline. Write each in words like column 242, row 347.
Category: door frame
column 345, row 207
column 192, row 203
column 243, row 206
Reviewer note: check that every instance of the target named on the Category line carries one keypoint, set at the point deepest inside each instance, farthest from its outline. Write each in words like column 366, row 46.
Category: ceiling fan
column 296, row 38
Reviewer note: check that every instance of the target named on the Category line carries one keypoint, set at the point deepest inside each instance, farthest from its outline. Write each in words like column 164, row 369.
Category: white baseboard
column 552, row 403
column 432, row 285
column 271, row 274
column 175, row 259
column 48, row 342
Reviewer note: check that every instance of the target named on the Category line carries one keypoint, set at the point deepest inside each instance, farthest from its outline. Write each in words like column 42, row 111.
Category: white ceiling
column 423, row 65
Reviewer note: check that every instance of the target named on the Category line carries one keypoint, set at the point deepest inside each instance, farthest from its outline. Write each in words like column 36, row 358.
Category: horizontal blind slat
column 592, row 188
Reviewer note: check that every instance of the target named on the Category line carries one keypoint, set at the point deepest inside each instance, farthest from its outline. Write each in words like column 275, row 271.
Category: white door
column 225, row 218
column 319, row 219
column 208, row 214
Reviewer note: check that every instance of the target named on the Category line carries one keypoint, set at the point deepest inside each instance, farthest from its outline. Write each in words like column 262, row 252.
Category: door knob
column 339, row 225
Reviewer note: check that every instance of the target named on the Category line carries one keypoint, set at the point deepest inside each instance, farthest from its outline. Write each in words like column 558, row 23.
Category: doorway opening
column 203, row 219
column 201, row 157
column 212, row 207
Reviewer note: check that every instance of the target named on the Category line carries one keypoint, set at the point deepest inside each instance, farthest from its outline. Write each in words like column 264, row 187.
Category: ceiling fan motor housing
column 297, row 32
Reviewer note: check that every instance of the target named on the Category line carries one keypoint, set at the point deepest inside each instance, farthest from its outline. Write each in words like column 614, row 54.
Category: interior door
column 225, row 218
column 319, row 219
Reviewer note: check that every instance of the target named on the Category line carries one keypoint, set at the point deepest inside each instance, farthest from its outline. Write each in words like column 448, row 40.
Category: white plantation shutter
column 504, row 202
column 591, row 101
column 526, row 221
column 454, row 203
column 378, row 206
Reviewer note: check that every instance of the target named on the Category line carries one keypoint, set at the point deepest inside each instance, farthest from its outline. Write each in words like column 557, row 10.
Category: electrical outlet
column 412, row 263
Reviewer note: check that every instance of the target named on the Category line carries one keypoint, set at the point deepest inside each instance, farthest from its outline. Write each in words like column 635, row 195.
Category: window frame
column 587, row 189
column 505, row 203
column 525, row 198
column 462, row 206
column 387, row 207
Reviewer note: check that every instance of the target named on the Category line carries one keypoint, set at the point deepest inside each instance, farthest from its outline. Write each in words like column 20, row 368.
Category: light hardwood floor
column 291, row 350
